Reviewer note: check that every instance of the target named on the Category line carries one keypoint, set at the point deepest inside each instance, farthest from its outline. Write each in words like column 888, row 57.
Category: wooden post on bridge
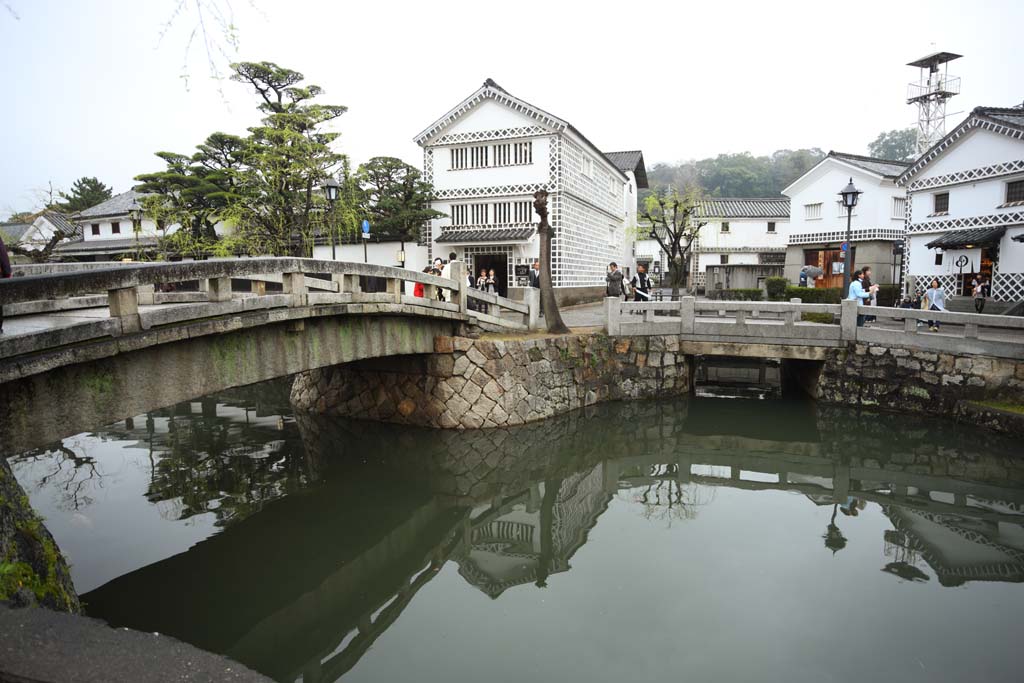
column 124, row 306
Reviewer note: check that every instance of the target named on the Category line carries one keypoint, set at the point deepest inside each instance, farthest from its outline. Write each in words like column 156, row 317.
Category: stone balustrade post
column 848, row 320
column 395, row 287
column 146, row 294
column 219, row 289
column 612, row 315
column 124, row 306
column 259, row 287
column 688, row 315
column 348, row 284
column 531, row 297
column 791, row 317
column 295, row 285
column 459, row 295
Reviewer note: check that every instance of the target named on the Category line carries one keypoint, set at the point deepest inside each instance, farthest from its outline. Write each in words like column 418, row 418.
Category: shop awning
column 486, row 235
column 965, row 239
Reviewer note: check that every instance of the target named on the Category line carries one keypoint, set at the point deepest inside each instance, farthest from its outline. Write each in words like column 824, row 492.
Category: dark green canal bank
column 694, row 539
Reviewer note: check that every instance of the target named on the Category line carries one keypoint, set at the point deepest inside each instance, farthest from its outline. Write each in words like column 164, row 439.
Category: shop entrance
column 984, row 269
column 499, row 262
column 831, row 262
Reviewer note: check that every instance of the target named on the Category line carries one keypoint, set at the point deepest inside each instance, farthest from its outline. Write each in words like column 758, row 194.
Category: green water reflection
column 697, row 540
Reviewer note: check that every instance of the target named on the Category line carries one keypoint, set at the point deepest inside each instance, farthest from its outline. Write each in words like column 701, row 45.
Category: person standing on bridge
column 5, row 272
column 935, row 300
column 641, row 284
column 859, row 294
column 614, row 281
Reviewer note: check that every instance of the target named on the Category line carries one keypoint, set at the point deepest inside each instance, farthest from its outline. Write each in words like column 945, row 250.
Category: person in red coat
column 417, row 288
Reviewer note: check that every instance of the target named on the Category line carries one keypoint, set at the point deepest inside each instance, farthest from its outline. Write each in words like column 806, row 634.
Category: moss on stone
column 1009, row 406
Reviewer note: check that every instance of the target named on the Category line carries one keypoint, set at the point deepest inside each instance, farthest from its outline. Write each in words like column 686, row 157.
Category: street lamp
column 331, row 189
column 850, row 194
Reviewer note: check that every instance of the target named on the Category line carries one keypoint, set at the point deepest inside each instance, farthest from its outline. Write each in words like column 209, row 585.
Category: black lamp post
column 850, row 195
column 331, row 190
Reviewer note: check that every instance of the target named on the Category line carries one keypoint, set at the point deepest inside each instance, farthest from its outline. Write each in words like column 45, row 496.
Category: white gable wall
column 489, row 115
column 873, row 210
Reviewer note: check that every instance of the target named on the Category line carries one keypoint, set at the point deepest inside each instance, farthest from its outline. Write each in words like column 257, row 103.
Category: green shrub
column 735, row 295
column 776, row 287
column 814, row 295
column 888, row 295
column 824, row 318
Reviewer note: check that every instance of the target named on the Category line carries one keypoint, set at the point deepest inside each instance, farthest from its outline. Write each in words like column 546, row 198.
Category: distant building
column 817, row 224
column 743, row 243
column 35, row 235
column 965, row 212
column 487, row 157
column 107, row 232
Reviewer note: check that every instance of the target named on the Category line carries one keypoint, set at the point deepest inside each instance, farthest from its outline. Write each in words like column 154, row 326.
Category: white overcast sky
column 92, row 90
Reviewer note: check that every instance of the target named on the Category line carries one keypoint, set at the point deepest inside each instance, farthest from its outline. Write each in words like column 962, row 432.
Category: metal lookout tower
column 933, row 88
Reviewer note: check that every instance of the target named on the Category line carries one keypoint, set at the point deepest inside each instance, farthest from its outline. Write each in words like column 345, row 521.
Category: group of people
column 617, row 286
column 864, row 292
column 487, row 281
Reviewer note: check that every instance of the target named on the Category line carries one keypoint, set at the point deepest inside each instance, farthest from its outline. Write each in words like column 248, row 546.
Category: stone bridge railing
column 133, row 295
column 783, row 323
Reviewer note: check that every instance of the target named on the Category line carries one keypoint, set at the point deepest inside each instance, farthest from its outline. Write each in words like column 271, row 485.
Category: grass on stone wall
column 1008, row 406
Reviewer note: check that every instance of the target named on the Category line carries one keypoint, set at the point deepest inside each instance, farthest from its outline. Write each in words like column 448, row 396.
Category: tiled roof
column 883, row 167
column 756, row 207
column 485, row 235
column 1013, row 116
column 115, row 206
column 104, row 245
column 957, row 239
column 12, row 232
column 632, row 160
column 63, row 224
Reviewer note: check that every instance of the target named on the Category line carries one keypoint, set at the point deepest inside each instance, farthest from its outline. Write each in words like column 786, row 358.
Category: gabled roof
column 13, row 232
column 1007, row 121
column 755, row 207
column 886, row 168
column 63, row 224
column 491, row 90
column 631, row 161
column 115, row 206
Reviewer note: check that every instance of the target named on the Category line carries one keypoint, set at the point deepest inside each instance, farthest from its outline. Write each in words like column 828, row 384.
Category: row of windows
column 498, row 213
column 899, row 209
column 725, row 227
column 491, row 156
column 115, row 228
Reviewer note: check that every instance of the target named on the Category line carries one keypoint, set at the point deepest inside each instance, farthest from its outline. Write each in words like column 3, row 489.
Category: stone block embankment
column 911, row 380
column 482, row 383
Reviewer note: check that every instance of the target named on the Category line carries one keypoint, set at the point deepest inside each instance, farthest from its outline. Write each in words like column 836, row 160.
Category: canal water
column 697, row 540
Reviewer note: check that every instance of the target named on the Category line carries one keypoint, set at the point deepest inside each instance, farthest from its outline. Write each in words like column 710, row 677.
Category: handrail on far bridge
column 783, row 323
column 305, row 282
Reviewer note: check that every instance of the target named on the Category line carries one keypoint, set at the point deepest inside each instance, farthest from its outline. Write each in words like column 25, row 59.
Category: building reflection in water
column 333, row 526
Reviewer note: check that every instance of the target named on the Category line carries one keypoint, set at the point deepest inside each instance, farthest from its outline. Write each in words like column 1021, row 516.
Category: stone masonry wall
column 474, row 383
column 916, row 381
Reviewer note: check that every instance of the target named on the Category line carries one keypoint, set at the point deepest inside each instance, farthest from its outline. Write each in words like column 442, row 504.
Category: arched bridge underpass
column 90, row 346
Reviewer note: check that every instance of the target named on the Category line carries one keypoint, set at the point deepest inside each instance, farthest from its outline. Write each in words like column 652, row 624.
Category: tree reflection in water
column 305, row 587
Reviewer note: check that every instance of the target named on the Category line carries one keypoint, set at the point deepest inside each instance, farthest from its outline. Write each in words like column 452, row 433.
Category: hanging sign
column 961, row 261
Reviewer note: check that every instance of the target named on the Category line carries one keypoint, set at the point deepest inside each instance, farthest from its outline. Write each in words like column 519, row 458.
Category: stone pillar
column 395, row 287
column 531, row 296
column 848, row 320
column 612, row 314
column 146, row 294
column 792, row 317
column 688, row 314
column 124, row 305
column 348, row 284
column 259, row 287
column 458, row 271
column 219, row 289
column 841, row 481
column 295, row 284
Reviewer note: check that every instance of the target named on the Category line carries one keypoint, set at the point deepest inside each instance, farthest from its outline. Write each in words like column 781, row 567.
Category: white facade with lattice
column 968, row 193
column 487, row 157
column 740, row 239
column 817, row 221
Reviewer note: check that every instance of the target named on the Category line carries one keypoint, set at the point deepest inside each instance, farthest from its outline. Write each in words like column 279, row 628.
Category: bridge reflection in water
column 331, row 527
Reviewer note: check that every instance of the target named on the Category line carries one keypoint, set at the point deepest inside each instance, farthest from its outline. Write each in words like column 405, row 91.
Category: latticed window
column 490, row 156
column 941, row 202
column 460, row 214
column 478, row 214
column 899, row 207
column 523, row 212
column 812, row 211
column 503, row 154
column 1015, row 191
column 523, row 152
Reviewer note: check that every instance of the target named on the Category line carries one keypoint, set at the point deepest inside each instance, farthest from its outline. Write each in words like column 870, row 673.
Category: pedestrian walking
column 978, row 292
column 641, row 284
column 5, row 272
column 613, row 280
column 934, row 300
